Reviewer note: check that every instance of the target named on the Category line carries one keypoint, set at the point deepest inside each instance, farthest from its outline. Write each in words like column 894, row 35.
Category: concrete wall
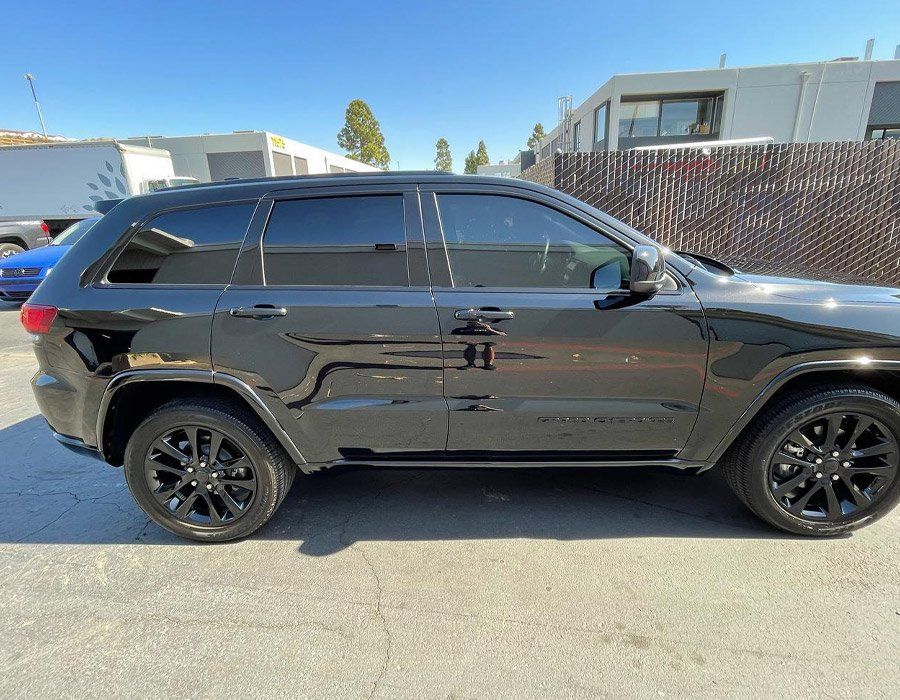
column 759, row 100
column 189, row 153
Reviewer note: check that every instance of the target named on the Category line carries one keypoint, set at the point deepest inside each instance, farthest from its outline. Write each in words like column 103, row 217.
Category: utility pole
column 37, row 105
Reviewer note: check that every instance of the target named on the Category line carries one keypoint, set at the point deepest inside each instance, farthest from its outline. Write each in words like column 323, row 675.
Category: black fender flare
column 242, row 389
column 857, row 365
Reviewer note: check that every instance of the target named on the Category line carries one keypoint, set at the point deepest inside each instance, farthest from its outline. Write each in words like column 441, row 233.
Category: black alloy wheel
column 200, row 475
column 821, row 461
column 207, row 469
column 836, row 465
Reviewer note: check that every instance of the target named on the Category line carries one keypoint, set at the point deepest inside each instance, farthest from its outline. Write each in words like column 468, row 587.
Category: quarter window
column 191, row 246
column 498, row 241
column 346, row 241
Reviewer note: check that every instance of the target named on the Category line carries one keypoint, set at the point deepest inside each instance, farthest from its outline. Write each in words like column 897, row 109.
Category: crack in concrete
column 78, row 501
column 379, row 588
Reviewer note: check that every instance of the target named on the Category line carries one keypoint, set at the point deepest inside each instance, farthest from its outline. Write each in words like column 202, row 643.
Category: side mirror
column 648, row 270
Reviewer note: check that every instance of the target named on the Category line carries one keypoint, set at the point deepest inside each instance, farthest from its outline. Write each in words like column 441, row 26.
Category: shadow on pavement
column 54, row 496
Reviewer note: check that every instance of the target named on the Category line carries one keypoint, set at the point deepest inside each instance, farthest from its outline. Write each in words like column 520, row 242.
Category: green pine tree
column 471, row 164
column 442, row 159
column 361, row 136
column 481, row 157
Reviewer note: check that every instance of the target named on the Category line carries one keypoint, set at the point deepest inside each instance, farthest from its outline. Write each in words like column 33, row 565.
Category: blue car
column 20, row 274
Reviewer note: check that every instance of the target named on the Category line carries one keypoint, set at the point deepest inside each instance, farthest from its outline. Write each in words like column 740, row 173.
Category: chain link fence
column 822, row 207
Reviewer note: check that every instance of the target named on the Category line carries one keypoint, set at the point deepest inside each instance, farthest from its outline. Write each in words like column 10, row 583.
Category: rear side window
column 346, row 241
column 192, row 246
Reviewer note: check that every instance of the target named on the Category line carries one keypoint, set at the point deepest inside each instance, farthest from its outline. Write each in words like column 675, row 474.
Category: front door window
column 499, row 241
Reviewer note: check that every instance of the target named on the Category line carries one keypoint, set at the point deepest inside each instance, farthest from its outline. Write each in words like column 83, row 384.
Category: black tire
column 748, row 463
column 272, row 469
column 9, row 249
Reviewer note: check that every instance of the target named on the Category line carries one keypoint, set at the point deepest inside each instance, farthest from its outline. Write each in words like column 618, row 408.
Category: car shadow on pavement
column 52, row 495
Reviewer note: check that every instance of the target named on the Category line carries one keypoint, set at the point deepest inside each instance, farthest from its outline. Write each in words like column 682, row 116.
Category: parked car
column 20, row 275
column 17, row 234
column 217, row 339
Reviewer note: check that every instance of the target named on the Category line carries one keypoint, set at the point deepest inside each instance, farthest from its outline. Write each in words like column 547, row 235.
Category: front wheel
column 823, row 461
column 206, row 470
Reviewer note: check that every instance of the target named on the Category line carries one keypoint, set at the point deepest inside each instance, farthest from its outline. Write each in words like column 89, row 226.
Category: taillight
column 37, row 318
column 44, row 227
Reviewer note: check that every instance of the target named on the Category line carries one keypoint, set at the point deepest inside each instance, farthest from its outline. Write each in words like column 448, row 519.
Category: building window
column 674, row 116
column 877, row 133
column 639, row 119
column 576, row 136
column 686, row 117
column 601, row 116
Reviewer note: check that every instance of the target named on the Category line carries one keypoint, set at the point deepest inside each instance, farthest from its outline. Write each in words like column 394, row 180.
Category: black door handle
column 258, row 311
column 482, row 315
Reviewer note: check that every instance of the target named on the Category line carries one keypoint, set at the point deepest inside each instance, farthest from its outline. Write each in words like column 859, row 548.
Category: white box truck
column 61, row 182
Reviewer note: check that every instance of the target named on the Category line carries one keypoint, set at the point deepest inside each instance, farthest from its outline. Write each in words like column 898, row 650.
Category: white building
column 840, row 100
column 246, row 154
column 503, row 168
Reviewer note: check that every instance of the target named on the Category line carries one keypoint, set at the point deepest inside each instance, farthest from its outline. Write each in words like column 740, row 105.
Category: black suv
column 214, row 339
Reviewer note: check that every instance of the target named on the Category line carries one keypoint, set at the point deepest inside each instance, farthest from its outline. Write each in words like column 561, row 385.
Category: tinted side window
column 337, row 241
column 498, row 241
column 193, row 246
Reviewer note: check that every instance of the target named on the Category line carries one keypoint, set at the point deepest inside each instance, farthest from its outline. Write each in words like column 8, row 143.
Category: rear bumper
column 77, row 446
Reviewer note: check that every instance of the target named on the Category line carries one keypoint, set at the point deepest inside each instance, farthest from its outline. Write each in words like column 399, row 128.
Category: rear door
column 331, row 319
column 546, row 354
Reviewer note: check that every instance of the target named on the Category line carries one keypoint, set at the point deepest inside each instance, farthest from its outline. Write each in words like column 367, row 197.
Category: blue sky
column 462, row 70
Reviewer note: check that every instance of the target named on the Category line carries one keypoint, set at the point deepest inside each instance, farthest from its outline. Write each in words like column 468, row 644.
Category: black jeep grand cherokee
column 216, row 338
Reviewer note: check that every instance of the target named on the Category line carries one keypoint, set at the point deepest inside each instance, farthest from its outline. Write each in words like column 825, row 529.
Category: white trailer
column 61, row 182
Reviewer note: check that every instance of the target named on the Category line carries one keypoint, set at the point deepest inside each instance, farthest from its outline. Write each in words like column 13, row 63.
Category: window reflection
column 500, row 241
column 192, row 246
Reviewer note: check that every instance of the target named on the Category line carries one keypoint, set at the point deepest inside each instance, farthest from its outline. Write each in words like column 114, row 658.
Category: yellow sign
column 277, row 141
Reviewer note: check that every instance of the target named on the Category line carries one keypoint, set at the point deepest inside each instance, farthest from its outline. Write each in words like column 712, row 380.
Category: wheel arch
column 883, row 375
column 132, row 395
column 16, row 240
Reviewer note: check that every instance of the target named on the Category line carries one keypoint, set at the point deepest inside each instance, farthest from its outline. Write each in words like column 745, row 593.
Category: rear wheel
column 9, row 249
column 820, row 462
column 206, row 470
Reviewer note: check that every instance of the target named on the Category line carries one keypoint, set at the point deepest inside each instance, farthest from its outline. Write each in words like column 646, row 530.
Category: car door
column 545, row 351
column 330, row 319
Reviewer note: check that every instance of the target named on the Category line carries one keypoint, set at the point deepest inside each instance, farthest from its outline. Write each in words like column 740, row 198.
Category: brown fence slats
column 827, row 207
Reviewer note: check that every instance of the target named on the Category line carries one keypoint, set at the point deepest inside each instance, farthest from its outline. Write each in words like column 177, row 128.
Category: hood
column 794, row 282
column 47, row 256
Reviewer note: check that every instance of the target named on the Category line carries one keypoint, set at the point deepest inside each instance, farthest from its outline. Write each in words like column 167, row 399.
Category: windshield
column 74, row 233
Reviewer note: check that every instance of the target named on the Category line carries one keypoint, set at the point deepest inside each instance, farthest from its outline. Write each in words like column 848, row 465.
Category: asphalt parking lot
column 428, row 584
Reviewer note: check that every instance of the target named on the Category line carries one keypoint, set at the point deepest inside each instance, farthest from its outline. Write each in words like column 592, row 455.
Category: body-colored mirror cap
column 648, row 269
